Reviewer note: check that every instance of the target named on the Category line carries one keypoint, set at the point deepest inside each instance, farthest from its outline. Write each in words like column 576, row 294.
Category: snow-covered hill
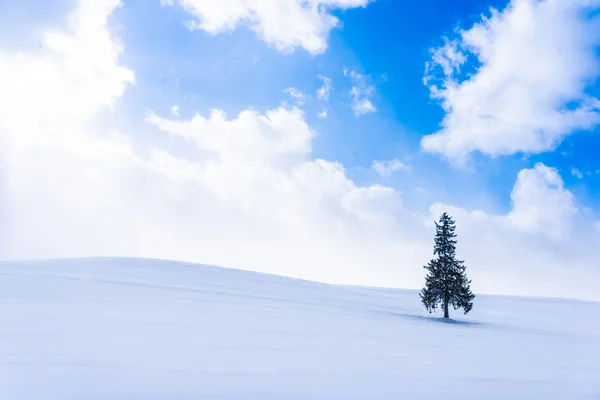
column 146, row 329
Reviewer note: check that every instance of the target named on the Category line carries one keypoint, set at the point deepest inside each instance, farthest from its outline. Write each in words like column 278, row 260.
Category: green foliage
column 446, row 283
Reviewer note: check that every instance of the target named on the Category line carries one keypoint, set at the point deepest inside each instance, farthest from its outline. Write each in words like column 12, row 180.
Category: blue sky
column 516, row 117
column 387, row 41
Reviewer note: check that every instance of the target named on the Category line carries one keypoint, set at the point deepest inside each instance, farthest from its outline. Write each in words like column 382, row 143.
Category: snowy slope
column 144, row 329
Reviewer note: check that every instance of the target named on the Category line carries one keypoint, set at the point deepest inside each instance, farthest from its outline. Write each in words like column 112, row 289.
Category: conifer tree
column 446, row 282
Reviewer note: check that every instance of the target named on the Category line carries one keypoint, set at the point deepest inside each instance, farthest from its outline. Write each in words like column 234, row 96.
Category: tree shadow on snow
column 440, row 320
column 450, row 321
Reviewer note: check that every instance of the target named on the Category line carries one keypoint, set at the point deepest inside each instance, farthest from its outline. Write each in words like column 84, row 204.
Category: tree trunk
column 446, row 314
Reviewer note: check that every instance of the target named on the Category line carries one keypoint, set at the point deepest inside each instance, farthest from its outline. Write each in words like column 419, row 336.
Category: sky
column 316, row 139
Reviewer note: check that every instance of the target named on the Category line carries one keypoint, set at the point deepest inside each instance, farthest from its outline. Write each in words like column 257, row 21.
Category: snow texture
column 148, row 329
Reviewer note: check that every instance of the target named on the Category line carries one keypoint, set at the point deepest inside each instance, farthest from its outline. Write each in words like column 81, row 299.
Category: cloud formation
column 577, row 173
column 250, row 194
column 387, row 168
column 73, row 188
column 298, row 97
column 325, row 90
column 361, row 93
column 534, row 61
column 545, row 236
column 284, row 24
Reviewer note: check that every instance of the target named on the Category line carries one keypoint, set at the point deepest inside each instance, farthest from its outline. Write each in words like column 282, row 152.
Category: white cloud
column 74, row 189
column 166, row 3
column 534, row 188
column 285, row 24
column 253, row 197
column 361, row 105
column 175, row 110
column 543, row 211
column 536, row 58
column 360, row 93
column 323, row 94
column 576, row 173
column 281, row 138
column 325, row 90
column 387, row 168
column 544, row 237
column 449, row 57
column 298, row 97
column 56, row 165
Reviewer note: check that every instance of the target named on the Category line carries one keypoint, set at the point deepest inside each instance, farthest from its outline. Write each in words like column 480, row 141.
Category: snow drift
column 148, row 329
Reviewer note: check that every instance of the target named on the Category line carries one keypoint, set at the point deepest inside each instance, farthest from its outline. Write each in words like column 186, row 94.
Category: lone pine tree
column 446, row 282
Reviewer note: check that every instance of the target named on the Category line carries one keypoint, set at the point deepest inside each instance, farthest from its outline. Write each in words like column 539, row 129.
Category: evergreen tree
column 446, row 282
